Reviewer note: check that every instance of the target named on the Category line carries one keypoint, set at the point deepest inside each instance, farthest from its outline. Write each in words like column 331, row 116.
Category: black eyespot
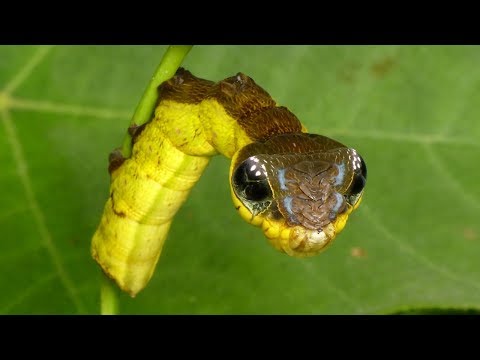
column 250, row 181
column 359, row 177
column 257, row 191
column 363, row 168
column 357, row 185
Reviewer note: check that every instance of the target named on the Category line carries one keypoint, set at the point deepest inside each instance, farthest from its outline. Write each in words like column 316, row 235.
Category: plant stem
column 108, row 297
column 169, row 64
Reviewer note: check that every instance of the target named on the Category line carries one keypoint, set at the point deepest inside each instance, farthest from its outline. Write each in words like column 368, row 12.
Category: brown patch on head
column 296, row 143
column 470, row 234
column 309, row 193
column 382, row 67
column 312, row 199
column 308, row 174
column 358, row 252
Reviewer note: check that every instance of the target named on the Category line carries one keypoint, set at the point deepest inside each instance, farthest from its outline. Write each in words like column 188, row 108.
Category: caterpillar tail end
column 104, row 266
column 127, row 251
column 103, row 259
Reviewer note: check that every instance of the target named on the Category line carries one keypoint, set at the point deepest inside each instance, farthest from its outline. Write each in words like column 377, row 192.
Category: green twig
column 108, row 297
column 171, row 61
column 169, row 64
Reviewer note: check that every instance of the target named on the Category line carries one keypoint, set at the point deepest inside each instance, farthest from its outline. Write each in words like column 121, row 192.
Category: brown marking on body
column 135, row 130
column 115, row 160
column 184, row 87
column 118, row 213
column 253, row 108
column 249, row 104
column 272, row 121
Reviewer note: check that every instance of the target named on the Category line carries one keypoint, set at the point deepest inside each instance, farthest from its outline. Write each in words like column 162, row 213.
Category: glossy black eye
column 357, row 185
column 257, row 191
column 359, row 177
column 250, row 180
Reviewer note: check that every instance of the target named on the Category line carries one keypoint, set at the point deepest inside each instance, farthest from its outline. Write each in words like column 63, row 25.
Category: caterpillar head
column 300, row 188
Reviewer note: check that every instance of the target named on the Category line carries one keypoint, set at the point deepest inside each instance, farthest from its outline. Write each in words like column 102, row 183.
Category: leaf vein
column 451, row 180
column 39, row 217
column 27, row 69
column 403, row 245
column 6, row 214
column 338, row 291
column 399, row 137
column 29, row 291
column 67, row 109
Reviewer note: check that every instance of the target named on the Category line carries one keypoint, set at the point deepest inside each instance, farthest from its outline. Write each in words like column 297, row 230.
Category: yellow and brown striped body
column 194, row 120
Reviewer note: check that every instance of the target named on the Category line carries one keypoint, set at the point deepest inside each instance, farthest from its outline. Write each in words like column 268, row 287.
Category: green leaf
column 414, row 242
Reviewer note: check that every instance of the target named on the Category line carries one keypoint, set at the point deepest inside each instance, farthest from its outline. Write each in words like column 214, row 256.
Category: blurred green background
column 411, row 111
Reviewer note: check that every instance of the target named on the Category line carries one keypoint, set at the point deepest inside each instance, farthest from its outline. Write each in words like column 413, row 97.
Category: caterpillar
column 300, row 188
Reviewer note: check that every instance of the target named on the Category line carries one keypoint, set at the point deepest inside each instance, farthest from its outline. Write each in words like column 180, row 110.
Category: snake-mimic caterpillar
column 299, row 187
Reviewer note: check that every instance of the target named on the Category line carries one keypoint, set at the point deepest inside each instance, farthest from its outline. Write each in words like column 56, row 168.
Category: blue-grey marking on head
column 339, row 203
column 287, row 202
column 281, row 179
column 341, row 174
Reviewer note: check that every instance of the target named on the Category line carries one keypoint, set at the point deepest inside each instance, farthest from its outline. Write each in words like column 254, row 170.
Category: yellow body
column 147, row 189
